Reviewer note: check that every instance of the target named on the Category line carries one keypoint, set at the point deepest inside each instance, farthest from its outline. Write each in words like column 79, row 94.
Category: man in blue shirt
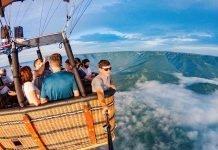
column 60, row 84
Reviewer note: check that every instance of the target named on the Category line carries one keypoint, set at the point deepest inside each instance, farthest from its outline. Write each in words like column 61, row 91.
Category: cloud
column 204, row 49
column 181, row 102
column 189, row 42
column 199, row 34
column 108, row 40
column 168, row 41
column 185, row 4
column 97, row 6
column 106, row 32
column 184, row 81
column 212, row 4
column 101, row 38
column 177, row 111
column 193, row 135
column 30, row 54
column 127, row 40
column 210, row 140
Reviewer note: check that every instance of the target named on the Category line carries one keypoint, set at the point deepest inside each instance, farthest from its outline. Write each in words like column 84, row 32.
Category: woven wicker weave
column 60, row 125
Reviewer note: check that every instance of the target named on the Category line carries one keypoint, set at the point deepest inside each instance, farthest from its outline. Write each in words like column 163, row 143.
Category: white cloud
column 145, row 45
column 171, row 105
column 130, row 44
column 182, row 39
column 106, row 31
column 155, row 42
column 30, row 54
column 199, row 34
column 100, row 5
column 192, row 135
column 185, row 4
column 204, row 49
column 210, row 140
column 174, row 37
column 184, row 81
column 176, row 42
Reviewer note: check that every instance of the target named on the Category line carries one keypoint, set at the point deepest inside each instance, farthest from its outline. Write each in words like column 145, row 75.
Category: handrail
column 51, row 104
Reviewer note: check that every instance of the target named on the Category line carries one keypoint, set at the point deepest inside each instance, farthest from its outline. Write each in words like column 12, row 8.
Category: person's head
column 68, row 66
column 104, row 67
column 77, row 62
column 85, row 63
column 26, row 74
column 56, row 61
column 37, row 63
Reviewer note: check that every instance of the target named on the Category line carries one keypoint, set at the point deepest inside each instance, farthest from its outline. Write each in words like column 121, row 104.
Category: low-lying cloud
column 171, row 105
column 184, row 81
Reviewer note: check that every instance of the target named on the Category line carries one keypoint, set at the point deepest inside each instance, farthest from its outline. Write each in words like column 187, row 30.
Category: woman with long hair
column 31, row 92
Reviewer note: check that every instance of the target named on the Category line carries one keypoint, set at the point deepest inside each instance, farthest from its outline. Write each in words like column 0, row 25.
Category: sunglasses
column 106, row 69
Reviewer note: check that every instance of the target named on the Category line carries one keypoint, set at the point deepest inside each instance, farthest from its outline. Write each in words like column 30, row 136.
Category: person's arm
column 12, row 93
column 35, row 99
column 75, row 87
column 76, row 93
column 100, row 95
column 43, row 100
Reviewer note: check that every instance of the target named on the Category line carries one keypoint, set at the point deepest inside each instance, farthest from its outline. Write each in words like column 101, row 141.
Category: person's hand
column 93, row 74
column 12, row 93
column 105, row 110
column 44, row 60
column 43, row 101
column 113, row 87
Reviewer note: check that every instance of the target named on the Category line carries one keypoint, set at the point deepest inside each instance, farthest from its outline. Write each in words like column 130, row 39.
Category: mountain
column 129, row 67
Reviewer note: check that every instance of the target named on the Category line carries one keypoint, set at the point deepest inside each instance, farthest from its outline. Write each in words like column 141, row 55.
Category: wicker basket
column 71, row 124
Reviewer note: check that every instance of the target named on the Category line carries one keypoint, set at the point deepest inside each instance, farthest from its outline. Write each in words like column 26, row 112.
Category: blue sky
column 130, row 25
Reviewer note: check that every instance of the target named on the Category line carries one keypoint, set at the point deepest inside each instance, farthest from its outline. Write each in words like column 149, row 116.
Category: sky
column 123, row 25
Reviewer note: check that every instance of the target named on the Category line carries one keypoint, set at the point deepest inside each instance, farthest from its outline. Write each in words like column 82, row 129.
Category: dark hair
column 103, row 63
column 84, row 61
column 56, row 58
column 26, row 74
column 47, row 65
column 77, row 60
column 67, row 62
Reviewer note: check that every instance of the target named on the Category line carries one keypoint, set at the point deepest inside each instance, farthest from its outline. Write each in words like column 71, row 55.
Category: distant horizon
column 172, row 25
column 75, row 54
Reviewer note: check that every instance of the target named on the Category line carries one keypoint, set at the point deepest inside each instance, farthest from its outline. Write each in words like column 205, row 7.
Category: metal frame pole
column 39, row 54
column 71, row 59
column 109, row 137
column 16, row 75
column 9, row 59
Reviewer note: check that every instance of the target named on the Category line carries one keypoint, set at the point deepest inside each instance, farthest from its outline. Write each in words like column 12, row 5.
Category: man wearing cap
column 102, row 82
